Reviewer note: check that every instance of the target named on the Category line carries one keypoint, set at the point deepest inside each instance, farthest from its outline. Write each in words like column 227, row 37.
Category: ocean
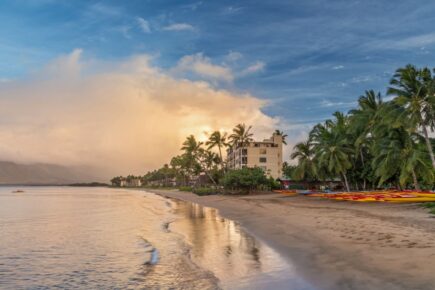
column 103, row 238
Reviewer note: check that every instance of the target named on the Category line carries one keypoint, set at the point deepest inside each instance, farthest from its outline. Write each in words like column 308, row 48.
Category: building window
column 263, row 160
column 244, row 151
column 244, row 160
column 263, row 151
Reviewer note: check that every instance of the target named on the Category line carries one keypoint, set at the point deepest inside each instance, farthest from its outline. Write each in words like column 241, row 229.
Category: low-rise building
column 266, row 154
column 128, row 182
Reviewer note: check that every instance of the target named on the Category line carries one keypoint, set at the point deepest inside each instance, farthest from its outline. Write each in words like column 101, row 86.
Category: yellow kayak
column 410, row 199
column 432, row 195
column 368, row 199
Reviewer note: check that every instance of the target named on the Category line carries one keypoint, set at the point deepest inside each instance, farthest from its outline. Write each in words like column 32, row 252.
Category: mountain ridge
column 44, row 174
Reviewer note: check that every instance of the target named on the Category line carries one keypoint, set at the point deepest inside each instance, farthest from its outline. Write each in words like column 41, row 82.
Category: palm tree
column 362, row 123
column 306, row 168
column 219, row 140
column 208, row 161
column 189, row 159
column 281, row 133
column 182, row 166
column 191, row 146
column 415, row 92
column 402, row 155
column 241, row 135
column 332, row 149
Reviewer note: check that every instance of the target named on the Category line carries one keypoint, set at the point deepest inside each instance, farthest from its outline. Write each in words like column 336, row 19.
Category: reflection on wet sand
column 236, row 258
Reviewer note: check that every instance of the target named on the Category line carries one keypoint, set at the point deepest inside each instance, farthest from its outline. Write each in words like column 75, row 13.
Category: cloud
column 104, row 10
column 233, row 56
column 143, row 24
column 193, row 6
column 337, row 67
column 179, row 27
column 126, row 116
column 202, row 66
column 256, row 67
column 231, row 10
column 420, row 41
column 337, row 105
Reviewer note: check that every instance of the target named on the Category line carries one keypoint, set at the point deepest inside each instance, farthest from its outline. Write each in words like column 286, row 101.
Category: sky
column 74, row 74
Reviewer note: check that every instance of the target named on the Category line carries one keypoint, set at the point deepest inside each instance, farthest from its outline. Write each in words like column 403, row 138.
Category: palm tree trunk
column 346, row 183
column 211, row 178
column 222, row 161
column 429, row 146
column 414, row 177
column 362, row 160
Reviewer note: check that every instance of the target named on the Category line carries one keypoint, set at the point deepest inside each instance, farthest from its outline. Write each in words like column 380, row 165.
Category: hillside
column 13, row 173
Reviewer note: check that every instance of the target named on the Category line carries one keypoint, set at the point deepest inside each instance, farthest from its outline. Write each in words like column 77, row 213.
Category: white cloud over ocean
column 125, row 117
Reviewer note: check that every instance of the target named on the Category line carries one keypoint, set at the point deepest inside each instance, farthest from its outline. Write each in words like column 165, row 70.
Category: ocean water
column 99, row 238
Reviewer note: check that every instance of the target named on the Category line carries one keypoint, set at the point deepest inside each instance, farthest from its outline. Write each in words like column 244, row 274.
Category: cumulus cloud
column 126, row 117
column 143, row 24
column 201, row 66
column 179, row 27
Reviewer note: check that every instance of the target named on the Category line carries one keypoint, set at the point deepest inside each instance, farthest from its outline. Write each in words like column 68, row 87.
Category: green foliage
column 430, row 206
column 204, row 191
column 306, row 169
column 288, row 170
column 379, row 143
column 241, row 135
column 283, row 135
column 116, row 181
column 185, row 188
column 219, row 140
column 273, row 184
column 246, row 179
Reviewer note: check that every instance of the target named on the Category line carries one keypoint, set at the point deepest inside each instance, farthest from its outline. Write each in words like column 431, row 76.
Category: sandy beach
column 338, row 245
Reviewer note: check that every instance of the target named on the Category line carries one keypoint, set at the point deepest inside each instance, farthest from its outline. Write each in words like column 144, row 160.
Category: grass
column 185, row 188
column 430, row 206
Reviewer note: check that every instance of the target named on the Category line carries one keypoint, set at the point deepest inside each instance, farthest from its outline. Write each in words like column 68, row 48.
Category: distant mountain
column 40, row 173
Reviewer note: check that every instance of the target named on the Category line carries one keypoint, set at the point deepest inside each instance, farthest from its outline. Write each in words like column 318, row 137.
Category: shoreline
column 337, row 245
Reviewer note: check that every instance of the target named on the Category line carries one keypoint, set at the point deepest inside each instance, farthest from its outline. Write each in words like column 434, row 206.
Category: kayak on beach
column 380, row 196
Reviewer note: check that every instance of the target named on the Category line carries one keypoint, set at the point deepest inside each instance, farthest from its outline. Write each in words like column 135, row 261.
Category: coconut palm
column 362, row 123
column 332, row 149
column 190, row 145
column 241, row 135
column 219, row 140
column 281, row 133
column 304, row 154
column 208, row 161
column 414, row 91
column 403, row 156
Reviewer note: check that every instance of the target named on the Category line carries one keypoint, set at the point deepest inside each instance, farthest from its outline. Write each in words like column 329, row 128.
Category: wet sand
column 338, row 245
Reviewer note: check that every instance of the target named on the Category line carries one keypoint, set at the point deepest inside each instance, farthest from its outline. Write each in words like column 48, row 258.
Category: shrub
column 185, row 188
column 246, row 179
column 274, row 184
column 204, row 191
column 431, row 206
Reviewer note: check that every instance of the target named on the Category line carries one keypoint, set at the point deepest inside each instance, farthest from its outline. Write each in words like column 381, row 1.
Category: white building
column 266, row 154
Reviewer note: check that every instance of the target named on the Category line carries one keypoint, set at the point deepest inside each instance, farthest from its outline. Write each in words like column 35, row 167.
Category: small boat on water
column 18, row 191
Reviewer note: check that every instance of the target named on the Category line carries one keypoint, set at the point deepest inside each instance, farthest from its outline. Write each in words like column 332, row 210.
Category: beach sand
column 338, row 245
